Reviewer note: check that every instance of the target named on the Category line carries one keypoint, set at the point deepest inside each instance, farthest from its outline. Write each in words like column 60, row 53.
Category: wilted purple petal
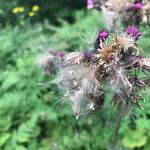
column 59, row 54
column 134, row 32
column 88, row 55
column 132, row 58
column 90, row 4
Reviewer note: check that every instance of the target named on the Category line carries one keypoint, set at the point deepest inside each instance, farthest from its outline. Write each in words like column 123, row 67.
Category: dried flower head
column 146, row 11
column 123, row 12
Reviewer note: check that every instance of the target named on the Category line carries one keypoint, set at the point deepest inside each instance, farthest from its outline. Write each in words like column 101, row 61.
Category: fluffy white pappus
column 146, row 11
column 120, row 83
column 89, row 86
column 145, row 62
column 75, row 100
column 44, row 60
column 73, row 58
column 117, row 5
column 109, row 16
column 112, row 10
column 128, row 40
column 76, row 83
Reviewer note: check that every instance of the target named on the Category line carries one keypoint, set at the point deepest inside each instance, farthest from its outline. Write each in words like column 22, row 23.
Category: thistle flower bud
column 103, row 35
column 133, row 32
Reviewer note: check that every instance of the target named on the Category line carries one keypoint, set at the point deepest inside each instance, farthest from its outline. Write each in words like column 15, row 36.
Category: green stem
column 115, row 137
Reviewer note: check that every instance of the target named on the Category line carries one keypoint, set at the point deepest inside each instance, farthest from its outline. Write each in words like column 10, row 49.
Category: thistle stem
column 115, row 136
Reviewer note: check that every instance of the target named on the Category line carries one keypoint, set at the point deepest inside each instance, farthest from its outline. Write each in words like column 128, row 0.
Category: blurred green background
column 30, row 116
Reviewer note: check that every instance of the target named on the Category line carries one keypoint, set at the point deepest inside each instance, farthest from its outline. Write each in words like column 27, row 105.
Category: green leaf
column 5, row 124
column 18, row 147
column 3, row 138
column 143, row 124
column 10, row 78
column 27, row 131
column 134, row 138
column 147, row 146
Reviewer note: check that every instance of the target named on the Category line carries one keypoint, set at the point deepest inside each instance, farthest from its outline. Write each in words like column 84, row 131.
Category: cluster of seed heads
column 114, row 62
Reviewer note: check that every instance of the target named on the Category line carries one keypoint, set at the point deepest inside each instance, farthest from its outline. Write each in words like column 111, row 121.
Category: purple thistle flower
column 134, row 32
column 103, row 35
column 90, row 4
column 59, row 54
column 137, row 6
column 88, row 55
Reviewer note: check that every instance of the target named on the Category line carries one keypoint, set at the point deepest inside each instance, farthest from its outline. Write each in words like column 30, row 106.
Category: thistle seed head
column 82, row 77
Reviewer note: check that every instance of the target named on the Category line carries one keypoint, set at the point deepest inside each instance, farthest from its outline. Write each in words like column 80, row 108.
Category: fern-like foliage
column 29, row 118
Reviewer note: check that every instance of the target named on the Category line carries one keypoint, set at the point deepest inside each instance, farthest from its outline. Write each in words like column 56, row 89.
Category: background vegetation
column 30, row 116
